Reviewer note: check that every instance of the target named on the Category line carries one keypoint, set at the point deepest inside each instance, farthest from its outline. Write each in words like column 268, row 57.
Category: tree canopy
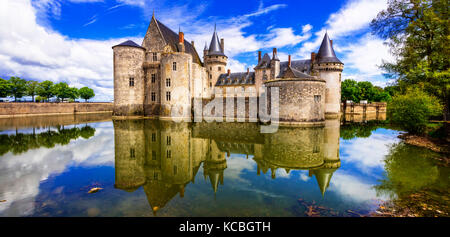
column 363, row 90
column 418, row 35
column 86, row 93
column 18, row 87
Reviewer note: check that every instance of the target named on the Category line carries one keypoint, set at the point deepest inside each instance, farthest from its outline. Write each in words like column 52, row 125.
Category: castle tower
column 215, row 60
column 129, row 80
column 328, row 67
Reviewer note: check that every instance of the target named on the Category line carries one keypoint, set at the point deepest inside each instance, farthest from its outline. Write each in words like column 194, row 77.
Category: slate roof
column 129, row 43
column 172, row 39
column 303, row 66
column 214, row 47
column 265, row 62
column 326, row 53
column 236, row 79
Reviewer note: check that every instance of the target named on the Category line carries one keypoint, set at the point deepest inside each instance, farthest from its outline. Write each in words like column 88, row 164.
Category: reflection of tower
column 129, row 154
column 214, row 165
column 160, row 156
column 331, row 155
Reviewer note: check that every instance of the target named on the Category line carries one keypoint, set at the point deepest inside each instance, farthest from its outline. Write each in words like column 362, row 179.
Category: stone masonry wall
column 21, row 109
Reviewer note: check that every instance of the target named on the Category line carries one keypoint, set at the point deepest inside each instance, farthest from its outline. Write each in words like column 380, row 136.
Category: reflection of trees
column 353, row 130
column 19, row 142
column 408, row 169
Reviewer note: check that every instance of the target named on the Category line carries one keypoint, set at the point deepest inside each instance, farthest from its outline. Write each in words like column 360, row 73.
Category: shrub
column 412, row 110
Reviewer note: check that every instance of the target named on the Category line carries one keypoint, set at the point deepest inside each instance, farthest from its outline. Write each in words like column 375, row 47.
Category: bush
column 39, row 99
column 412, row 110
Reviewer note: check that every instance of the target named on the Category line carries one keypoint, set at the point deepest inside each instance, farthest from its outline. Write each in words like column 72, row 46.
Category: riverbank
column 10, row 110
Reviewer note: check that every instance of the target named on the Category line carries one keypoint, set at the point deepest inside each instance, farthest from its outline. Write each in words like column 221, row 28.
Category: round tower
column 215, row 59
column 329, row 68
column 128, row 79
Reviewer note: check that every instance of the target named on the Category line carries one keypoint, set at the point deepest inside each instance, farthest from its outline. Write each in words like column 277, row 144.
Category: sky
column 71, row 40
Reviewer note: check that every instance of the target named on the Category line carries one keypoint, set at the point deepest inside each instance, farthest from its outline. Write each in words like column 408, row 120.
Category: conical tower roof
column 326, row 52
column 323, row 177
column 215, row 47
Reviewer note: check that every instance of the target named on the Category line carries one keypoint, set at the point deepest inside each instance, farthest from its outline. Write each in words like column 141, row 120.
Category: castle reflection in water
column 164, row 157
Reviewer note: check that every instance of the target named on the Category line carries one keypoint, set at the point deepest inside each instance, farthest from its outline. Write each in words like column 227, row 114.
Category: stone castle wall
column 25, row 109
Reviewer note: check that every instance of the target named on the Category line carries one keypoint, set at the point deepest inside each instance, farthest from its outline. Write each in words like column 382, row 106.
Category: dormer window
column 174, row 66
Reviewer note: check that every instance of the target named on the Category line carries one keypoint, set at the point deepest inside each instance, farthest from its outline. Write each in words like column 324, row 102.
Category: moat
column 148, row 167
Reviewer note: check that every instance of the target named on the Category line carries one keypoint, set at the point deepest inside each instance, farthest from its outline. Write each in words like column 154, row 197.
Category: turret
column 215, row 59
column 328, row 67
column 274, row 65
column 128, row 79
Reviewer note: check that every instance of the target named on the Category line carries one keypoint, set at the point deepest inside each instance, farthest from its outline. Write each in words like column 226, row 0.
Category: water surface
column 156, row 168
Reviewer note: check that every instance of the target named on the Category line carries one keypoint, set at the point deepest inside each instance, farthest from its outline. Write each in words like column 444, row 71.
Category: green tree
column 367, row 91
column 73, row 93
column 45, row 89
column 61, row 91
column 5, row 88
column 350, row 91
column 86, row 93
column 412, row 110
column 18, row 87
column 418, row 36
column 32, row 88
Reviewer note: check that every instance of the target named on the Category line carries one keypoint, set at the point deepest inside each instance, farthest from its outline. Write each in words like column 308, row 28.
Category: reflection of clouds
column 352, row 188
column 281, row 173
column 236, row 165
column 20, row 175
column 304, row 176
column 368, row 153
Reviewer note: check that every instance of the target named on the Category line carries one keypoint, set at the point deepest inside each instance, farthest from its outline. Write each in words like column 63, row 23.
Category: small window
column 210, row 68
column 168, row 96
column 317, row 98
column 131, row 81
column 220, row 69
column 153, row 96
column 153, row 155
column 132, row 153
column 168, row 154
column 174, row 66
column 316, row 149
column 167, row 82
column 153, row 137
column 155, row 176
column 174, row 169
column 153, row 78
column 210, row 76
column 155, row 57
column 210, row 84
column 169, row 140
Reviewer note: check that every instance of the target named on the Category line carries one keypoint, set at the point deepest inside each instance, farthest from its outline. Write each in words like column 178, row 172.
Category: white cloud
column 280, row 37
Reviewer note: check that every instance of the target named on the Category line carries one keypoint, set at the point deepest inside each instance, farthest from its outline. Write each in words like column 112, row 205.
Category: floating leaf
column 94, row 190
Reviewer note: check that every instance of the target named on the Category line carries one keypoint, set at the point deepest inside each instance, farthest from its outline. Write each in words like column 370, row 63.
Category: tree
column 61, row 91
column 45, row 89
column 418, row 35
column 18, row 87
column 73, row 93
column 350, row 91
column 412, row 110
column 86, row 93
column 367, row 91
column 31, row 88
column 5, row 88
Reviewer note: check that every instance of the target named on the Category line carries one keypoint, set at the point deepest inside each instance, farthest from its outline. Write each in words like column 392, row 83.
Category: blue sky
column 70, row 40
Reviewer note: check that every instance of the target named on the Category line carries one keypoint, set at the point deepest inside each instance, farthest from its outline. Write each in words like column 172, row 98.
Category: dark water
column 147, row 168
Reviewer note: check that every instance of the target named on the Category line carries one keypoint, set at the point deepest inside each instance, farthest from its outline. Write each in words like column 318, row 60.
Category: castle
column 166, row 71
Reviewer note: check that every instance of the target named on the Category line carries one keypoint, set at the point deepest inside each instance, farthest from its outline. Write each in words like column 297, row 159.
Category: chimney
column 229, row 71
column 193, row 45
column 313, row 57
column 181, row 41
column 274, row 53
column 248, row 71
column 289, row 60
column 259, row 56
column 331, row 41
column 222, row 45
